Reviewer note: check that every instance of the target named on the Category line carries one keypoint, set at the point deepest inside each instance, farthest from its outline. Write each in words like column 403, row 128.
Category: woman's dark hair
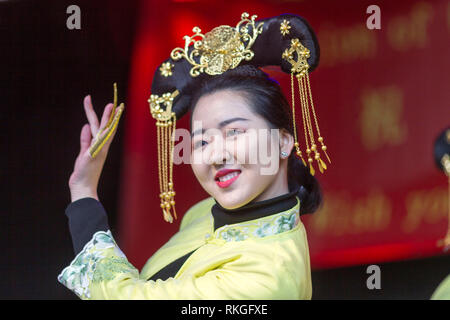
column 267, row 100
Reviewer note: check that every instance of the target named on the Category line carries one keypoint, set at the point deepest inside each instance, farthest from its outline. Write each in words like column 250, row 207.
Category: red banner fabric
column 381, row 96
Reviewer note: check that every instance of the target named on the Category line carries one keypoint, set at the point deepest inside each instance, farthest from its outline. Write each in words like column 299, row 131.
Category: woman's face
column 235, row 155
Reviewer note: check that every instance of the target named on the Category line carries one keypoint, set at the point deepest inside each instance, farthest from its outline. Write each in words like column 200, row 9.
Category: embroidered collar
column 253, row 210
column 256, row 220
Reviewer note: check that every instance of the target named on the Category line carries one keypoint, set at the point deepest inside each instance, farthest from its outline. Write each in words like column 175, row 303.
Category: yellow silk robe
column 442, row 292
column 264, row 258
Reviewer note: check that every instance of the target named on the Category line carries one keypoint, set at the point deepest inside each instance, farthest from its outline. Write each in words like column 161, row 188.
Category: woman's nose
column 220, row 152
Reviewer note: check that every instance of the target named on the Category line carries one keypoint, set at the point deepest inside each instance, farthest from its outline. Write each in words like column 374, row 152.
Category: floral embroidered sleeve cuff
column 86, row 217
column 100, row 260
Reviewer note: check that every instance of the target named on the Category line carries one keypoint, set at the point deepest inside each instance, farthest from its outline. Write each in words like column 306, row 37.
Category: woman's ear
column 286, row 142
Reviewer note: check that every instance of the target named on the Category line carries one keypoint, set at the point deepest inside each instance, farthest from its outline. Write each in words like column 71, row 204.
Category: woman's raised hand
column 95, row 140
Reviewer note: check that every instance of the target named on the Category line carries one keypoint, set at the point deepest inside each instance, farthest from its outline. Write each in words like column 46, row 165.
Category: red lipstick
column 224, row 172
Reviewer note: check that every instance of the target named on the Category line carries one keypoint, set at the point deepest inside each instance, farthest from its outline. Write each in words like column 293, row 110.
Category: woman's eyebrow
column 221, row 124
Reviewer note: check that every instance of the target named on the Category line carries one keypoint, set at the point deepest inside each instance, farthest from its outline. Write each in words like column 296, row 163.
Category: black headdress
column 286, row 40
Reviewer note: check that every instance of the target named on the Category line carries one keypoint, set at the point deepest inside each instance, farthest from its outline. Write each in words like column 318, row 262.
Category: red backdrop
column 382, row 96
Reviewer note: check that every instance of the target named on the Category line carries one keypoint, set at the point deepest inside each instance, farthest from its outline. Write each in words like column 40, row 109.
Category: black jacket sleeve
column 86, row 217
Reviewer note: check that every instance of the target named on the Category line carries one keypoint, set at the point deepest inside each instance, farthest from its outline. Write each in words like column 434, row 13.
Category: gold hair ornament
column 284, row 27
column 104, row 134
column 165, row 127
column 166, row 69
column 222, row 48
column 300, row 70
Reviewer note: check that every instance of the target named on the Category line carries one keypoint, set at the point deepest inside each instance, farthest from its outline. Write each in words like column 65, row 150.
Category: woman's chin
column 229, row 202
column 232, row 196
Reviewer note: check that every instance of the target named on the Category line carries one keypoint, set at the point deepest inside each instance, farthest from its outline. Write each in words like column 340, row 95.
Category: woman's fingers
column 107, row 130
column 106, row 115
column 116, row 119
column 91, row 115
column 111, row 129
column 85, row 138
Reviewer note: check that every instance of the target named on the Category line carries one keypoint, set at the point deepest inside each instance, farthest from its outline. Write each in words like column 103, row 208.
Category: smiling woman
column 246, row 241
column 242, row 100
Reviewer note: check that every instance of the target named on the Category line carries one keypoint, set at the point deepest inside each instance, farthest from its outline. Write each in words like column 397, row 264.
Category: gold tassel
column 300, row 70
column 165, row 133
column 296, row 144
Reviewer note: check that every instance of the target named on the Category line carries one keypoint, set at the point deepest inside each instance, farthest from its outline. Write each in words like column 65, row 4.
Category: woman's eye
column 233, row 132
column 200, row 143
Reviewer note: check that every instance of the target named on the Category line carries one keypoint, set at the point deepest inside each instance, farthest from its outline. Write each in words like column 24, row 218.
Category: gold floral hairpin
column 222, row 48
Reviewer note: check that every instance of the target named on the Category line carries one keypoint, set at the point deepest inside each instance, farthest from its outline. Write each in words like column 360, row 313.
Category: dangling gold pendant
column 297, row 55
column 311, row 169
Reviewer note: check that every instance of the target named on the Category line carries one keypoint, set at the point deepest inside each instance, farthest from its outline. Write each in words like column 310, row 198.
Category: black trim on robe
column 87, row 216
column 171, row 269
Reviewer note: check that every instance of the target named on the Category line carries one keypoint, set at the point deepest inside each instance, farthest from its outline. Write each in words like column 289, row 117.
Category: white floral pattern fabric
column 260, row 228
column 100, row 260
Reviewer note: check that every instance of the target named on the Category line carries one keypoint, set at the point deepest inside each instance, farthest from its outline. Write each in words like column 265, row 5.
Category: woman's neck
column 276, row 188
column 271, row 192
